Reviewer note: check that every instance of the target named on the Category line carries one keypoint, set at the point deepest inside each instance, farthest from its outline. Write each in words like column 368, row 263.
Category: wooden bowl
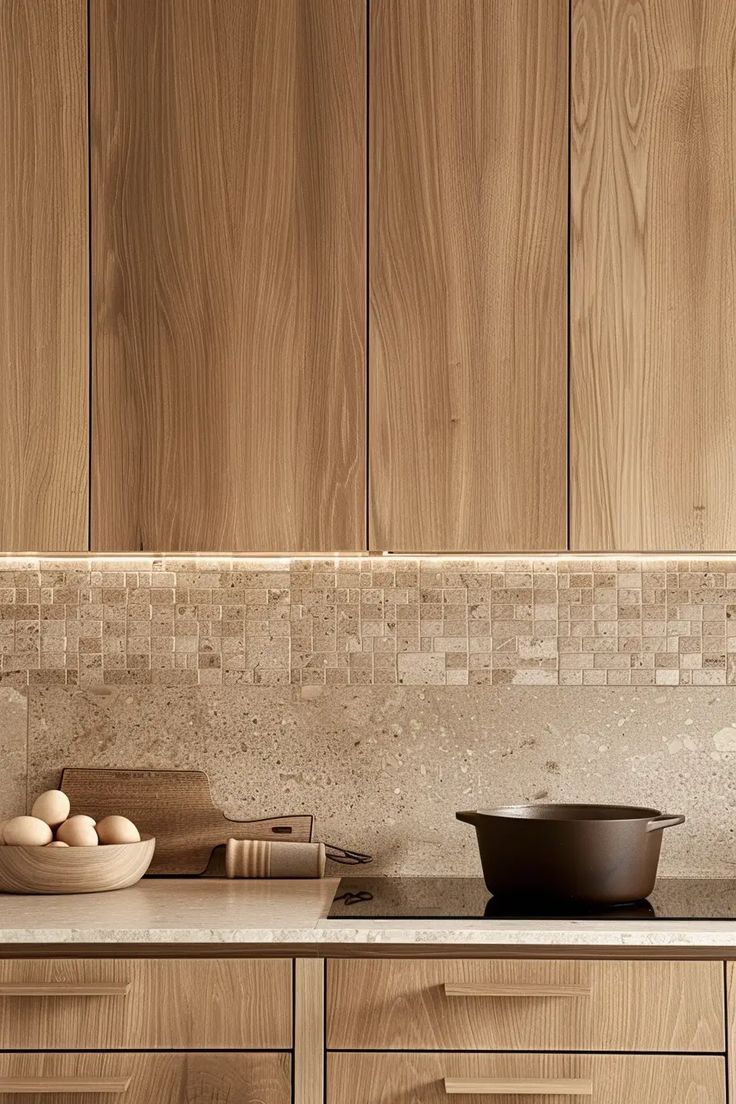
column 74, row 869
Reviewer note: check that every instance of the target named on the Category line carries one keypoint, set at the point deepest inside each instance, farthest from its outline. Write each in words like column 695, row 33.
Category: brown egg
column 51, row 806
column 57, row 843
column 77, row 831
column 26, row 831
column 117, row 829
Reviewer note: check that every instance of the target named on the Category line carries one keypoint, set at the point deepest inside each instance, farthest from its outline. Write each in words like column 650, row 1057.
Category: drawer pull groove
column 63, row 989
column 480, row 989
column 481, row 1086
column 47, row 1085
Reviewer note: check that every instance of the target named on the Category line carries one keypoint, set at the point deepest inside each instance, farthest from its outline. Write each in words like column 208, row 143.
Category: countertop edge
column 419, row 938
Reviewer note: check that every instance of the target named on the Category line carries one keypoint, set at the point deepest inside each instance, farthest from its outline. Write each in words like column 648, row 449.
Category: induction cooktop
column 468, row 898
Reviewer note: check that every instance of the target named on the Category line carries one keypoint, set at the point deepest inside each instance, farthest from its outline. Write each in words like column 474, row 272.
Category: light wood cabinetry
column 731, row 1006
column 518, row 1078
column 228, row 157
column 43, row 276
column 414, row 1004
column 468, row 271
column 146, row 1078
column 653, row 334
column 157, row 1004
column 363, row 1031
column 235, row 403
column 309, row 1031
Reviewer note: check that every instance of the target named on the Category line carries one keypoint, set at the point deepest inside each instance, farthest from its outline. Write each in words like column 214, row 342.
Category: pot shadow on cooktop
column 417, row 898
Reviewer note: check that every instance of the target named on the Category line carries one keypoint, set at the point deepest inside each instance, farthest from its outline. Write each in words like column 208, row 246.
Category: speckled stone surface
column 13, row 724
column 198, row 911
column 171, row 910
column 384, row 769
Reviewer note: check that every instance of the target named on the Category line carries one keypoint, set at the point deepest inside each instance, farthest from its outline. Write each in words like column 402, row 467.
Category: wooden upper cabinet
column 228, row 272
column 653, row 366
column 468, row 275
column 44, row 335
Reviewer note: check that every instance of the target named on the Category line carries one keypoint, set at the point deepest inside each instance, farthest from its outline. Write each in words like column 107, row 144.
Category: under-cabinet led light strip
column 358, row 557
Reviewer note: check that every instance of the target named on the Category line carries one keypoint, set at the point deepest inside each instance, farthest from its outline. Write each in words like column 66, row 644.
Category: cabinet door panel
column 468, row 271
column 121, row 1004
column 513, row 1078
column 515, row 1005
column 189, row 1078
column 44, row 335
column 653, row 337
column 228, row 274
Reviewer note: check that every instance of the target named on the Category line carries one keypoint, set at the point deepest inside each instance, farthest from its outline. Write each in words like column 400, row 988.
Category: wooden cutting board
column 177, row 808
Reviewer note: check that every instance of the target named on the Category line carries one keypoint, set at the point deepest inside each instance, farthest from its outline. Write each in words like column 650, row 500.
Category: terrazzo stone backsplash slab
column 384, row 768
column 368, row 621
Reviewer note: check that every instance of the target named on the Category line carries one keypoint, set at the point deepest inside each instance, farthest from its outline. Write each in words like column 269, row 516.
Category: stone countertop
column 157, row 912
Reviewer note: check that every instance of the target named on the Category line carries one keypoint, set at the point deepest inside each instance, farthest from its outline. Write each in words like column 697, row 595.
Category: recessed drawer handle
column 63, row 989
column 479, row 989
column 524, row 1086
column 91, row 1085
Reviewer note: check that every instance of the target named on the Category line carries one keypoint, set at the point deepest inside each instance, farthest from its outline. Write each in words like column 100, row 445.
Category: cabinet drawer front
column 536, row 1005
column 145, row 1078
column 524, row 1078
column 110, row 1004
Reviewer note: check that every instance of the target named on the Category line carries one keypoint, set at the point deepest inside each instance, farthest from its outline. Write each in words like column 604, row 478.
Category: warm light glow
column 357, row 557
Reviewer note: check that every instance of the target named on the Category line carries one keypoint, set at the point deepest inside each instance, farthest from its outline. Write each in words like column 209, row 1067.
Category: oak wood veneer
column 653, row 275
column 228, row 275
column 177, row 808
column 43, row 276
column 731, row 1006
column 309, row 1031
column 420, row 1078
column 402, row 1005
column 158, row 1004
column 162, row 1078
column 468, row 270
column 518, row 1086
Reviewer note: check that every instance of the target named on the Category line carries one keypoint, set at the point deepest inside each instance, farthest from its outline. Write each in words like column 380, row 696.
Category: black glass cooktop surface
column 468, row 898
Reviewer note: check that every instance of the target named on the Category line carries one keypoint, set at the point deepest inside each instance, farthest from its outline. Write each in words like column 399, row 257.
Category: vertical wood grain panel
column 653, row 369
column 228, row 272
column 309, row 1030
column 43, row 276
column 468, row 225
column 730, row 979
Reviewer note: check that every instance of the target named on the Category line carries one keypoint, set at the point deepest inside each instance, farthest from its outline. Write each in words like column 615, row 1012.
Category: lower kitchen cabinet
column 508, row 1004
column 146, row 1004
column 352, row 1030
column 193, row 1078
column 404, row 1078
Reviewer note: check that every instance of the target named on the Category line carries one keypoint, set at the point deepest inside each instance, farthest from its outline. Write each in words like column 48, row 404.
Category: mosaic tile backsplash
column 368, row 621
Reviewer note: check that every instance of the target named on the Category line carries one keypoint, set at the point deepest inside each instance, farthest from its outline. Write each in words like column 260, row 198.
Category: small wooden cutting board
column 177, row 808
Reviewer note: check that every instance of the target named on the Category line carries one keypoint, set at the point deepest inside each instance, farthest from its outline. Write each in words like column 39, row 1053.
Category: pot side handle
column 467, row 817
column 664, row 820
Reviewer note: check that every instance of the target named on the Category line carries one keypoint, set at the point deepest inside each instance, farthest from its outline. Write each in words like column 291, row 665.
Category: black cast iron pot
column 597, row 854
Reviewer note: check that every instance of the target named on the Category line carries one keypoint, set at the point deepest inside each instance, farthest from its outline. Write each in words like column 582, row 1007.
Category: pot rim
column 558, row 812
